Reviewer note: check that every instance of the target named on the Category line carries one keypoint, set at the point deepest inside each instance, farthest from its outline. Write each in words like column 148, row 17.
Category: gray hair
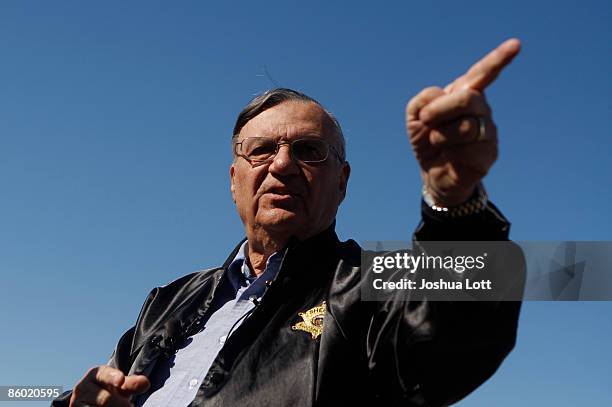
column 273, row 97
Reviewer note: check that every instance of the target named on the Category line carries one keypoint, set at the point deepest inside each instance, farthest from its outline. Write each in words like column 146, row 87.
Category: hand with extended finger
column 107, row 386
column 452, row 131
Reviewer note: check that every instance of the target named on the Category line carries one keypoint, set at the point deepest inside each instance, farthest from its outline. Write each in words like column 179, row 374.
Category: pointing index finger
column 484, row 72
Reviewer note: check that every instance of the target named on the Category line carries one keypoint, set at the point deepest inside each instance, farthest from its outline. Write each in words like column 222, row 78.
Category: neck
column 263, row 244
column 260, row 250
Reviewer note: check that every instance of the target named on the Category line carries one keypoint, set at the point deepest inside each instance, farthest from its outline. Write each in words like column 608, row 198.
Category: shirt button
column 192, row 383
column 222, row 339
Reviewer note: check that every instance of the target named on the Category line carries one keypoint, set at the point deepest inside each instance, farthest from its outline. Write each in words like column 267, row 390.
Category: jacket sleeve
column 434, row 353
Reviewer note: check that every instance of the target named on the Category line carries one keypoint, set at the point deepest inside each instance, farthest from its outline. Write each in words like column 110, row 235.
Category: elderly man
column 282, row 321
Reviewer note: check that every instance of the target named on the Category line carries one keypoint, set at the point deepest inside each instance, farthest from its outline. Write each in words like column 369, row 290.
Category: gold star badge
column 313, row 321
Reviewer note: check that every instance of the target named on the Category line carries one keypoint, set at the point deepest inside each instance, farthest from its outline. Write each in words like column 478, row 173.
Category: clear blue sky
column 115, row 121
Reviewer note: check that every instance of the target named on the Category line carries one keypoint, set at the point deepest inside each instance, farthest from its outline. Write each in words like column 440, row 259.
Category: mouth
column 282, row 192
column 282, row 196
column 278, row 196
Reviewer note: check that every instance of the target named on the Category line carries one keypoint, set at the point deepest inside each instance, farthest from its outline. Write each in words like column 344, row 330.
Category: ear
column 345, row 173
column 232, row 184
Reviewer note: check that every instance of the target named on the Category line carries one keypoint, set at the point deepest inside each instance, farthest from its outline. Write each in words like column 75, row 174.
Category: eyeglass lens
column 306, row 150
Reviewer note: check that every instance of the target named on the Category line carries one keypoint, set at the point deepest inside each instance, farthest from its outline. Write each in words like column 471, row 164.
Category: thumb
column 135, row 384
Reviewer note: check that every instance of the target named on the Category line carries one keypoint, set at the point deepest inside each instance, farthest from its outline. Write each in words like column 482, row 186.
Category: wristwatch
column 475, row 204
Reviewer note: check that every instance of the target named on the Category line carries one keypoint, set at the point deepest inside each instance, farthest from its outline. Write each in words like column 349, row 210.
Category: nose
column 283, row 162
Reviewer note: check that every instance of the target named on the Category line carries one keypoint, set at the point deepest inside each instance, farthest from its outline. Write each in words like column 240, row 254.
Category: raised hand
column 452, row 132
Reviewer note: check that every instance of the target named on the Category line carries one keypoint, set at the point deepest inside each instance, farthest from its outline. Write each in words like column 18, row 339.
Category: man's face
column 284, row 197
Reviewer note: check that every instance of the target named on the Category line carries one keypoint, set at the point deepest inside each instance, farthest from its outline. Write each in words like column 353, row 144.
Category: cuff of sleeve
column 488, row 224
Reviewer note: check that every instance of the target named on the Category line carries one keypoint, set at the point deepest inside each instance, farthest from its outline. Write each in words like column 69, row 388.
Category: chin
column 284, row 221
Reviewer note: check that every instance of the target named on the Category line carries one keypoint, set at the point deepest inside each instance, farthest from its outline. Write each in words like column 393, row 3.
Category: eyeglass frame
column 255, row 163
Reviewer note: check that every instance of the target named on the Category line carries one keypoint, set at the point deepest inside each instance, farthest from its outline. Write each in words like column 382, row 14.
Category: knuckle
column 432, row 93
column 465, row 99
column 413, row 127
column 108, row 375
column 467, row 125
column 432, row 90
column 100, row 373
column 422, row 99
column 103, row 398
column 426, row 94
column 426, row 114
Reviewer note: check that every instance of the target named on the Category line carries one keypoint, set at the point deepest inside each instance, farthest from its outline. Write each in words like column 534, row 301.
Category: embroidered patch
column 313, row 321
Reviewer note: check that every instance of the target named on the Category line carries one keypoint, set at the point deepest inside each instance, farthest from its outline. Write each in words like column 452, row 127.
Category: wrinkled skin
column 284, row 197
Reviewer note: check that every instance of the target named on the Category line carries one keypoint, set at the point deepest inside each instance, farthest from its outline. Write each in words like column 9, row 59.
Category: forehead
column 289, row 120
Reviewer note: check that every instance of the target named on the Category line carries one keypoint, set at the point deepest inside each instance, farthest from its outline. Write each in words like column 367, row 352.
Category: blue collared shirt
column 175, row 381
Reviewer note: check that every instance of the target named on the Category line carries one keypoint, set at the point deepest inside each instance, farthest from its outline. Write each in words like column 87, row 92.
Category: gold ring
column 482, row 128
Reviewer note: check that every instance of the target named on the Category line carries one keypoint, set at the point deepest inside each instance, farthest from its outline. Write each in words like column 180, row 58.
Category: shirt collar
column 239, row 272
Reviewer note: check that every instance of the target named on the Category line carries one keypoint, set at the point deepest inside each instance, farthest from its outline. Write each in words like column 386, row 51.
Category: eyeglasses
column 260, row 150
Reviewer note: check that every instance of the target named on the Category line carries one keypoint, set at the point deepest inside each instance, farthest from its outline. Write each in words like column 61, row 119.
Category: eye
column 258, row 148
column 310, row 150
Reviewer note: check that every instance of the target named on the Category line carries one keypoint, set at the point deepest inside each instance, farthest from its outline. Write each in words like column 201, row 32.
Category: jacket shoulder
column 350, row 252
column 171, row 299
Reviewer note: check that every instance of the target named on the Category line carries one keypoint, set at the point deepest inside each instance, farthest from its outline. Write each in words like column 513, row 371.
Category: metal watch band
column 477, row 203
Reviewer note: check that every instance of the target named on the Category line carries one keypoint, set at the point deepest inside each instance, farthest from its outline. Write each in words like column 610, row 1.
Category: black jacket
column 409, row 353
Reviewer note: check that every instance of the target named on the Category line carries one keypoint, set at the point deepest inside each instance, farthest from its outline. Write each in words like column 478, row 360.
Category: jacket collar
column 321, row 242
